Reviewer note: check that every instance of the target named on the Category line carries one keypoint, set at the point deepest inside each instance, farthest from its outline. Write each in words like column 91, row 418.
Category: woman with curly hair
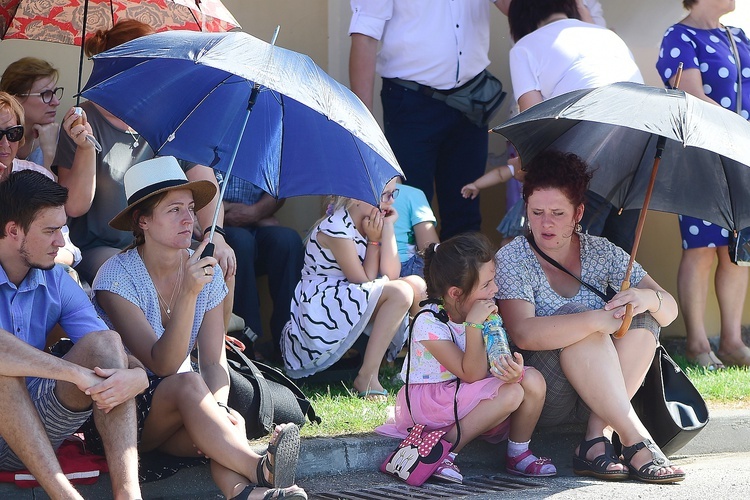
column 564, row 328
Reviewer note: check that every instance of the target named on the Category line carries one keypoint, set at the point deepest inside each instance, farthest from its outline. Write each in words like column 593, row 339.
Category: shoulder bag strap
column 736, row 54
column 561, row 268
column 265, row 399
column 443, row 317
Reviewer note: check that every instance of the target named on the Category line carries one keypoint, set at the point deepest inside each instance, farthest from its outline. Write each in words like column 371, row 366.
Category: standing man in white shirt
column 428, row 50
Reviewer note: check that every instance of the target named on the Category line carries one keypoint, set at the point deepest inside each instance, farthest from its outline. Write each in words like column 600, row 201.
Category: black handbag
column 264, row 396
column 669, row 405
column 739, row 246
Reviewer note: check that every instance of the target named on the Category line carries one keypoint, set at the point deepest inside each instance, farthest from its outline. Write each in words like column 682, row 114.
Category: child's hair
column 456, row 262
column 333, row 203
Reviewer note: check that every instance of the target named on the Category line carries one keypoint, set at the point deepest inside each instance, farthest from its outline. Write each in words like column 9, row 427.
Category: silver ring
column 205, row 271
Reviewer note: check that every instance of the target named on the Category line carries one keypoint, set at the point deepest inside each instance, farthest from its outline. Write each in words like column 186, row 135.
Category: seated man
column 43, row 398
column 262, row 247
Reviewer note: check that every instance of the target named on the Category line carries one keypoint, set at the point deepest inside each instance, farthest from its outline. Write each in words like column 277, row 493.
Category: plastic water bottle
column 496, row 341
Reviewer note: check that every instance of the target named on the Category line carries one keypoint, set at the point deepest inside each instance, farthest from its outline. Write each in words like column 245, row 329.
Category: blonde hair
column 333, row 204
column 10, row 103
column 123, row 31
column 19, row 76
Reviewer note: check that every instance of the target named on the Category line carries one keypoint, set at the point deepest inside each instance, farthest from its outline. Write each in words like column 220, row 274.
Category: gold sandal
column 707, row 360
column 739, row 358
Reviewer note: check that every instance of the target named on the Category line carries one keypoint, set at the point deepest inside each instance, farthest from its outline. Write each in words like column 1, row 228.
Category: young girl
column 460, row 276
column 350, row 286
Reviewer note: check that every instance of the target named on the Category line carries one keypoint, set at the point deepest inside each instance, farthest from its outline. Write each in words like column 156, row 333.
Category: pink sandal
column 534, row 469
column 447, row 471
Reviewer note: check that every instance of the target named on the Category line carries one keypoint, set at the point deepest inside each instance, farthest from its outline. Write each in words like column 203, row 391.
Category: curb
column 728, row 431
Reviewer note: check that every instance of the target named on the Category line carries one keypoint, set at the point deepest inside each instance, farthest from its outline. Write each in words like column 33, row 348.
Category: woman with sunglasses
column 34, row 83
column 350, row 287
column 12, row 138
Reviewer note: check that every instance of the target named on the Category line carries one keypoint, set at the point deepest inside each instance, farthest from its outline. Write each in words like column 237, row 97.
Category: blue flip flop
column 372, row 392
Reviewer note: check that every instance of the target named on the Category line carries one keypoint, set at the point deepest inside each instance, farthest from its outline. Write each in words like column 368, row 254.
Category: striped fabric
column 57, row 420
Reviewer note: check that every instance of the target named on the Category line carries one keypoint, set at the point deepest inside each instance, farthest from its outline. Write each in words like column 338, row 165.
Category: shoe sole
column 285, row 458
column 657, row 479
column 514, row 472
column 614, row 476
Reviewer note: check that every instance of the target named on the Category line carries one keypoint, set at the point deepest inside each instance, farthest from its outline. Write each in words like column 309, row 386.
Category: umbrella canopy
column 206, row 97
column 704, row 168
column 61, row 21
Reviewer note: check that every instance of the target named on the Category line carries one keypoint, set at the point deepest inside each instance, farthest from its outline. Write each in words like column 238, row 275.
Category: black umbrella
column 623, row 130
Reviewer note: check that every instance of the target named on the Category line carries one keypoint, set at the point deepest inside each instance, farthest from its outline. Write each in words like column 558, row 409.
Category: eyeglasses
column 389, row 195
column 47, row 94
column 14, row 134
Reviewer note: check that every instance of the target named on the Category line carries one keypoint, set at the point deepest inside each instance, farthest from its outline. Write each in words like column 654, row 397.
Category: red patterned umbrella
column 61, row 21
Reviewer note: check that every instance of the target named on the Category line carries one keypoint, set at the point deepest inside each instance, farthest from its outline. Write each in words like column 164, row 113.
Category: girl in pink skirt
column 447, row 347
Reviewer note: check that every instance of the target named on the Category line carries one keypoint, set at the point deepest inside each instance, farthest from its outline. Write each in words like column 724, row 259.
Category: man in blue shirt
column 43, row 398
column 262, row 247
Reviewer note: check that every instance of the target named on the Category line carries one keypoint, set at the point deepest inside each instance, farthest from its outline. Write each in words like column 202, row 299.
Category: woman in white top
column 164, row 300
column 555, row 52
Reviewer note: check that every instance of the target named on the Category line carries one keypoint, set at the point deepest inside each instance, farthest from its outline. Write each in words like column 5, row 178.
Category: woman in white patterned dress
column 164, row 300
column 350, row 286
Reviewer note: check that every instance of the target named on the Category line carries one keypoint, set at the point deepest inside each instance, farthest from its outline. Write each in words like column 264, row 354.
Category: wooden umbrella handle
column 628, row 314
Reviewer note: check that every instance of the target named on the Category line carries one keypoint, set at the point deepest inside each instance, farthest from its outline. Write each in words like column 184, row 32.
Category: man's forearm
column 19, row 359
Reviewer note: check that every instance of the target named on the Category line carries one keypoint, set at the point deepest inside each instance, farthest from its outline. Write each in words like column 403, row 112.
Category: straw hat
column 158, row 175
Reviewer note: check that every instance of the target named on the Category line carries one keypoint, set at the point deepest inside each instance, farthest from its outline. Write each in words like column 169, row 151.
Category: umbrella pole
column 660, row 143
column 642, row 219
column 82, row 53
column 209, row 250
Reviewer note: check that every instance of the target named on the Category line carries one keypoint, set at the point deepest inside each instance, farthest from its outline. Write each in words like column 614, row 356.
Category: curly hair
column 456, row 262
column 524, row 17
column 14, row 107
column 20, row 75
column 123, row 31
column 555, row 169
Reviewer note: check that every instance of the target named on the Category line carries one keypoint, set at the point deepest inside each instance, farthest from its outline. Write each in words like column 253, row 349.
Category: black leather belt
column 430, row 91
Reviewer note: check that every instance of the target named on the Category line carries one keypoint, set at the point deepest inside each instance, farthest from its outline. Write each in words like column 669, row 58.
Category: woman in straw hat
column 164, row 300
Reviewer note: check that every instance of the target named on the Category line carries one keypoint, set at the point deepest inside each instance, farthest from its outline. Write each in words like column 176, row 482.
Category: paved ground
column 717, row 462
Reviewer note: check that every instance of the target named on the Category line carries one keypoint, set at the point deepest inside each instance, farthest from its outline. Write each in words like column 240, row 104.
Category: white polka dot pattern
column 708, row 51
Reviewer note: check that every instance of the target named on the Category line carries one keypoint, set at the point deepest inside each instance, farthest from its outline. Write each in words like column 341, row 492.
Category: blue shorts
column 58, row 421
column 697, row 233
column 415, row 265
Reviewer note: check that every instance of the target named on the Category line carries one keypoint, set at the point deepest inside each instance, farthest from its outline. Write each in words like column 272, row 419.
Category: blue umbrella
column 211, row 97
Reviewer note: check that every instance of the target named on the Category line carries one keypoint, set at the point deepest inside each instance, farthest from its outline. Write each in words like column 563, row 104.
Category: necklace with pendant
column 136, row 137
column 167, row 306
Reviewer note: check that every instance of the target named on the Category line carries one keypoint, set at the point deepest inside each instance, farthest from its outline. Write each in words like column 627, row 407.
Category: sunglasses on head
column 14, row 133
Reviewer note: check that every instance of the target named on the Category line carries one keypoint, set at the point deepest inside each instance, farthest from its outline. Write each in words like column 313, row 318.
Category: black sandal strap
column 658, row 459
column 264, row 463
column 585, row 446
column 245, row 493
column 281, row 493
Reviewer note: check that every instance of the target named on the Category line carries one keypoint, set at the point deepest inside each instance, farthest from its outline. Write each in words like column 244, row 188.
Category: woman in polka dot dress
column 701, row 43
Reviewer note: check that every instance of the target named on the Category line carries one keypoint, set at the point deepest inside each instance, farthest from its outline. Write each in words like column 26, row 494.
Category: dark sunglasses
column 14, row 134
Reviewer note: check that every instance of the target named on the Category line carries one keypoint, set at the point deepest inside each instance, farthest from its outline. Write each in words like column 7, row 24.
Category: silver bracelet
column 661, row 299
